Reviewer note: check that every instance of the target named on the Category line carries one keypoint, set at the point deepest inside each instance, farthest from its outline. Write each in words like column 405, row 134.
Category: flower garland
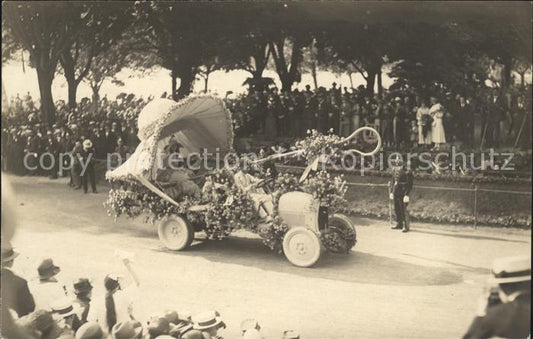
column 317, row 144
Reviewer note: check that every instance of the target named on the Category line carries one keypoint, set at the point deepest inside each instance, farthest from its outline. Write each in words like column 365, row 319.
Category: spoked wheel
column 175, row 233
column 301, row 247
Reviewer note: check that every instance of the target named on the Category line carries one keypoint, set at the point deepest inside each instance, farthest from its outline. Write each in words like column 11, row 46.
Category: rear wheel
column 175, row 233
column 301, row 247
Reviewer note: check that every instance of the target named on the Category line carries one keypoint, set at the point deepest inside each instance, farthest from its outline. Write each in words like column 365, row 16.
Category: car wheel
column 302, row 247
column 175, row 233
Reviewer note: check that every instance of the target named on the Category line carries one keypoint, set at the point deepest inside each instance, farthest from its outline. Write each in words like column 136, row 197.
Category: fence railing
column 475, row 190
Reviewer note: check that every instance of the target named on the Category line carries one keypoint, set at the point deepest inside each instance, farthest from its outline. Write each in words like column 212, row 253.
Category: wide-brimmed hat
column 47, row 269
column 87, row 143
column 511, row 269
column 63, row 307
column 8, row 253
column 127, row 330
column 206, row 320
column 90, row 330
column 82, row 285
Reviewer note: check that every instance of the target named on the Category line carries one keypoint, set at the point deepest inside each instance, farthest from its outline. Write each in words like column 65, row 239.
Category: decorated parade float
column 294, row 214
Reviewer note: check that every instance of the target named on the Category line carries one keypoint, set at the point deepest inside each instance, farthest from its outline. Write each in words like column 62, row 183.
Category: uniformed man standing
column 505, row 311
column 402, row 183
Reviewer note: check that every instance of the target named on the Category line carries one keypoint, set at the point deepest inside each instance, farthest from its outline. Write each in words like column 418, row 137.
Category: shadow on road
column 354, row 267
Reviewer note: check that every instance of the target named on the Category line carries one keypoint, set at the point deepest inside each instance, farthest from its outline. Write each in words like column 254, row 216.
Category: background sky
column 156, row 82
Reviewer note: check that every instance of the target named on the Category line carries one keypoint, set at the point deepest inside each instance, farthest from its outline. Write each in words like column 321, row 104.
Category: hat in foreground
column 127, row 330
column 206, row 320
column 511, row 269
column 90, row 330
column 47, row 269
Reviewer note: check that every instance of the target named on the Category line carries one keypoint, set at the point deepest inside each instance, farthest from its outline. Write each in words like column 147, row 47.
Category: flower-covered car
column 298, row 216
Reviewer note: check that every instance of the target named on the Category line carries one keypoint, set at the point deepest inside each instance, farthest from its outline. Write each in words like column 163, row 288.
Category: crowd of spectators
column 404, row 119
column 47, row 308
column 110, row 125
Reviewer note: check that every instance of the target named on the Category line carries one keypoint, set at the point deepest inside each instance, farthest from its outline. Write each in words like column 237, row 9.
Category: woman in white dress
column 437, row 128
column 420, row 113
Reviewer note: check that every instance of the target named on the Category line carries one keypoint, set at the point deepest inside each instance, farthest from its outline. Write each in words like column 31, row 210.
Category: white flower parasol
column 199, row 123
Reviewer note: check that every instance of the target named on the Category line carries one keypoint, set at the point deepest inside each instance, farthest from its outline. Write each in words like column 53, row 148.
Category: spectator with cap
column 16, row 295
column 507, row 315
column 82, row 302
column 47, row 289
column 90, row 330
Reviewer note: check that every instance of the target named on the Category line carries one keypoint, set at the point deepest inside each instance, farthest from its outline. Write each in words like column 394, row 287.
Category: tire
column 302, row 247
column 345, row 227
column 175, row 233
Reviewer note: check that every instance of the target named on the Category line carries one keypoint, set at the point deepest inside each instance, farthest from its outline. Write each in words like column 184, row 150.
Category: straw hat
column 206, row 320
column 63, row 307
column 511, row 269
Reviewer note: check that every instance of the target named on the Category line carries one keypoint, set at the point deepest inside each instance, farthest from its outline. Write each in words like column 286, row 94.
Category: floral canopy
column 198, row 123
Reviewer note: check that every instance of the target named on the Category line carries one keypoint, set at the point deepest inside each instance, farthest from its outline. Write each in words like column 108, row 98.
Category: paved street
column 423, row 284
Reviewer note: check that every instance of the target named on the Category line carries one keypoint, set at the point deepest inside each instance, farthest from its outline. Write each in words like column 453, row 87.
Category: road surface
column 423, row 284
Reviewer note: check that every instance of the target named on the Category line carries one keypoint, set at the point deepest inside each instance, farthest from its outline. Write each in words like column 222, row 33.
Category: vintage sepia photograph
column 266, row 169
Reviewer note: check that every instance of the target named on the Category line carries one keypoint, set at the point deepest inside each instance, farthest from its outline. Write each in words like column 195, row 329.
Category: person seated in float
column 174, row 179
column 251, row 185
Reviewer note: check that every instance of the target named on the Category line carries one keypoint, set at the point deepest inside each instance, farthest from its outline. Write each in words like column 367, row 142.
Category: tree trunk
column 45, row 88
column 286, row 83
column 380, row 84
column 371, row 71
column 370, row 81
column 67, row 63
column 314, row 75
column 206, row 81
column 351, row 81
column 96, row 95
column 72, row 90
column 187, row 80
column 173, row 86
column 506, row 74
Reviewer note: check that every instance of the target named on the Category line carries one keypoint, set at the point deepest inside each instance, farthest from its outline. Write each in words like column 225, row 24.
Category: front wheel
column 175, row 233
column 339, row 236
column 301, row 247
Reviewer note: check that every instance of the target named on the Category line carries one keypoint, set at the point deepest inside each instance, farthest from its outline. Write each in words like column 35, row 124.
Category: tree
column 179, row 35
column 250, row 52
column 99, row 27
column 41, row 28
column 106, row 66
